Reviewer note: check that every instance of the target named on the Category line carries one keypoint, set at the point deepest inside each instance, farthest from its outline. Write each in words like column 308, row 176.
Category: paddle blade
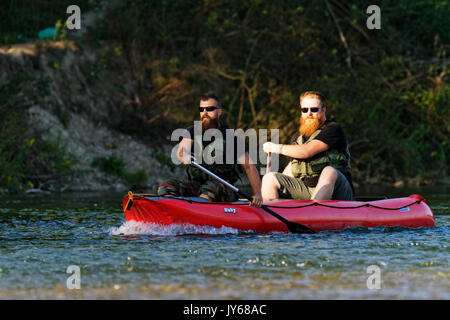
column 298, row 228
column 292, row 226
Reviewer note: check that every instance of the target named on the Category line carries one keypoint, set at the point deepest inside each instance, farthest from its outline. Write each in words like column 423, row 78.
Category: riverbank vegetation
column 388, row 88
column 26, row 158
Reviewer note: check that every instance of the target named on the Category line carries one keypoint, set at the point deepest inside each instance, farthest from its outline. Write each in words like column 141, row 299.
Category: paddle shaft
column 292, row 226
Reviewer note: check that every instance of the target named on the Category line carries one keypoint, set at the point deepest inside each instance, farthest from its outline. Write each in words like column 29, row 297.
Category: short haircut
column 313, row 94
column 211, row 95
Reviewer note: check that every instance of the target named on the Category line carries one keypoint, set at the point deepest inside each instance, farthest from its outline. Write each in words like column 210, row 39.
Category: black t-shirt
column 237, row 147
column 333, row 135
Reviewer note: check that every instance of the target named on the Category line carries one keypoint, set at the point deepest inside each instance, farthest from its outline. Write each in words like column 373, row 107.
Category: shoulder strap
column 313, row 136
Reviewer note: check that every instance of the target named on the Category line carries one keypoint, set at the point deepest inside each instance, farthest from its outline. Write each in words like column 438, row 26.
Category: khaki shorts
column 293, row 188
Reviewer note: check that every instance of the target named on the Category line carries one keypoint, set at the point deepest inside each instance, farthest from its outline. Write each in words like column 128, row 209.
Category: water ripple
column 41, row 237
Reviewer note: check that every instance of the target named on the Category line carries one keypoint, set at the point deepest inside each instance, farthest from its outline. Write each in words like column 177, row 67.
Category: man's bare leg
column 325, row 185
column 270, row 187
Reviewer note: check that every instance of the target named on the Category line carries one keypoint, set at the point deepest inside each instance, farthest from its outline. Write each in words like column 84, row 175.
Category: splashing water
column 144, row 228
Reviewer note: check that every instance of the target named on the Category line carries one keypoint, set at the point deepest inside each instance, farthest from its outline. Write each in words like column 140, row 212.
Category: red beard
column 209, row 123
column 307, row 128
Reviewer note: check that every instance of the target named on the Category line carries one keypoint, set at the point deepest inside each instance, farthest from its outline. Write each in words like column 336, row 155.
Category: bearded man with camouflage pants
column 199, row 184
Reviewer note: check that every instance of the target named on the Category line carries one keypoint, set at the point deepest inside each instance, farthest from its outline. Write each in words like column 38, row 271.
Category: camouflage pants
column 191, row 188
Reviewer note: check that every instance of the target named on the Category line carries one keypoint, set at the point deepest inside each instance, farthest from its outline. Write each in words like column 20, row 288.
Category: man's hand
column 257, row 200
column 187, row 158
column 270, row 147
column 184, row 151
column 253, row 178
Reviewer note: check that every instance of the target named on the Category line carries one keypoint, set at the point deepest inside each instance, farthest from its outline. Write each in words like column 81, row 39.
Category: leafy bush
column 388, row 88
column 115, row 166
column 21, row 20
column 27, row 160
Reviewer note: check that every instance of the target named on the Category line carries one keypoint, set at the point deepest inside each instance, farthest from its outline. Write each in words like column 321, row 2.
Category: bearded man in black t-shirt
column 320, row 160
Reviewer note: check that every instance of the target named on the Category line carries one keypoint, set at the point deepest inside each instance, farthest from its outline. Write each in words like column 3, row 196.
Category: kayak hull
column 410, row 212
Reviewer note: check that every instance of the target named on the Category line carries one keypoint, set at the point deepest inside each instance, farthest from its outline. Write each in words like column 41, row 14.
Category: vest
column 312, row 167
column 214, row 150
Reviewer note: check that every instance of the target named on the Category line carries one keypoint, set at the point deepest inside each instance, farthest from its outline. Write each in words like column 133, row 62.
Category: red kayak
column 410, row 212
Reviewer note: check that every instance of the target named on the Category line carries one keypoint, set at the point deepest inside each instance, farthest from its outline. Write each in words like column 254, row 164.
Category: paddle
column 268, row 163
column 292, row 226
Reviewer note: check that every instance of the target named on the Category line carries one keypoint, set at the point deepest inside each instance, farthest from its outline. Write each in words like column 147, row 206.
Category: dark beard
column 208, row 123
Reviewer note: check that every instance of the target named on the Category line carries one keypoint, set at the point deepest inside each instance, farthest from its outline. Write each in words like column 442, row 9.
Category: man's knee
column 270, row 186
column 329, row 174
column 270, row 179
column 212, row 190
column 217, row 192
column 169, row 187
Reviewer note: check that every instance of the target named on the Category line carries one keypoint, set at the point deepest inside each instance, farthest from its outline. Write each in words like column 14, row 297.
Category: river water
column 47, row 241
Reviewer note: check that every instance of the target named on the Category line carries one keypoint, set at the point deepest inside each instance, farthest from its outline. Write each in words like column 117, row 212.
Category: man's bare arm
column 253, row 178
column 184, row 150
column 297, row 151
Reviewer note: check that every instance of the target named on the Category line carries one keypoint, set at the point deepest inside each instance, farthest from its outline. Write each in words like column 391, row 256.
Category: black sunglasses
column 211, row 108
column 313, row 110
